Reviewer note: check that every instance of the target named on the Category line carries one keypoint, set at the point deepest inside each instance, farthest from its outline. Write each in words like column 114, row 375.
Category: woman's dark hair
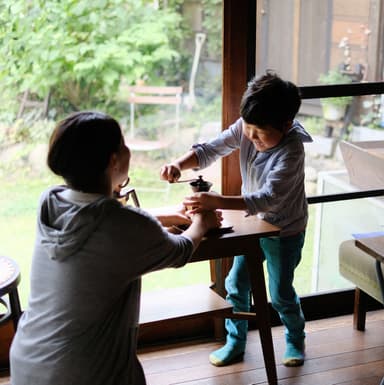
column 80, row 148
column 269, row 100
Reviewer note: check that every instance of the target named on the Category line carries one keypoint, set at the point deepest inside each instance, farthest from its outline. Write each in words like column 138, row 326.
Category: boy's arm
column 211, row 201
column 172, row 171
column 187, row 161
column 203, row 154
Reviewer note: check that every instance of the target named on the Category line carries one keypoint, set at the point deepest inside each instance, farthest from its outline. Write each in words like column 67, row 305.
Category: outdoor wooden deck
column 336, row 355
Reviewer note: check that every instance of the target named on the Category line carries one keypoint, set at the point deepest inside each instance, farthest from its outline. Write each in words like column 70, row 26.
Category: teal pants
column 282, row 256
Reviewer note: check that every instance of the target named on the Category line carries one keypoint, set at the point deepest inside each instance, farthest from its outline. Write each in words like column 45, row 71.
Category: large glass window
column 68, row 56
column 325, row 43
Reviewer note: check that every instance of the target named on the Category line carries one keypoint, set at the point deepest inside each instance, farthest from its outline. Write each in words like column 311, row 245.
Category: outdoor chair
column 154, row 132
column 166, row 130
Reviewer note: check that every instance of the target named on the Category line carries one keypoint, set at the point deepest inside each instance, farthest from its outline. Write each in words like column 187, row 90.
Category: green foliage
column 81, row 50
column 8, row 106
column 30, row 128
column 372, row 112
column 335, row 77
column 213, row 27
column 312, row 124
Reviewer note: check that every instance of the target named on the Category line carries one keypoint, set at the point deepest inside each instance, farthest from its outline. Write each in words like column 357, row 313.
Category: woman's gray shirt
column 272, row 181
column 81, row 323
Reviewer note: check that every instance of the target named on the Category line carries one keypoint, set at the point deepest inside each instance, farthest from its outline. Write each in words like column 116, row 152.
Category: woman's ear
column 113, row 161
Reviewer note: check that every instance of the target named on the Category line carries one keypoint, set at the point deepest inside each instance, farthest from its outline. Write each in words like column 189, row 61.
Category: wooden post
column 239, row 50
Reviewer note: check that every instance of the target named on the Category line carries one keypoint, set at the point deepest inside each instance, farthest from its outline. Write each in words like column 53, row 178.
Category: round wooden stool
column 9, row 280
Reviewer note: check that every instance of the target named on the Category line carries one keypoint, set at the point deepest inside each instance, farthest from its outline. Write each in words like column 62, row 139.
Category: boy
column 272, row 171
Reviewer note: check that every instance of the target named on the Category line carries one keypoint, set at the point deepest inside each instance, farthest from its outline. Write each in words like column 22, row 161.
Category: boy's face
column 264, row 137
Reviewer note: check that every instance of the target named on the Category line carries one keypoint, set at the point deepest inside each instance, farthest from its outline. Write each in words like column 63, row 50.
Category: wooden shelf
column 183, row 302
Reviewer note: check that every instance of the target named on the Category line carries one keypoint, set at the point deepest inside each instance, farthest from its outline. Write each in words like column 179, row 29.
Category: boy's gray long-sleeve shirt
column 80, row 326
column 272, row 181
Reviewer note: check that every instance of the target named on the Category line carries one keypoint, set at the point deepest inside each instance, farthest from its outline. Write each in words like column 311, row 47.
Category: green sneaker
column 294, row 354
column 226, row 355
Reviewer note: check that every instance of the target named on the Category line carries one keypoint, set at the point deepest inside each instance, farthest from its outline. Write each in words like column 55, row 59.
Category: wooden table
column 244, row 240
column 374, row 246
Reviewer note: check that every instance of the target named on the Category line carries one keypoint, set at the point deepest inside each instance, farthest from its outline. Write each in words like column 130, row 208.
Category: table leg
column 256, row 275
column 381, row 284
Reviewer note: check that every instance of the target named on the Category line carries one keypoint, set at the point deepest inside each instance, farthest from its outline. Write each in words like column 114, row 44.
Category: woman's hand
column 170, row 172
column 213, row 218
column 172, row 216
column 202, row 222
column 180, row 218
column 202, row 201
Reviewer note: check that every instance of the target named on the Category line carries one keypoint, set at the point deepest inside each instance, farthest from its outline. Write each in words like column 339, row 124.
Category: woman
column 81, row 323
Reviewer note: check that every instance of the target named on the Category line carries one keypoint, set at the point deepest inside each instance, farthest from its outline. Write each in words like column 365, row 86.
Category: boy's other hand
column 170, row 172
column 202, row 201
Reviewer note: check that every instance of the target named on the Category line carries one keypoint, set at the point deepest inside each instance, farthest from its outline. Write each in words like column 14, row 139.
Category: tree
column 81, row 50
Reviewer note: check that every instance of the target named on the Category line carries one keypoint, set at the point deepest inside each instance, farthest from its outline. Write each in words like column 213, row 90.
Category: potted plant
column 334, row 108
column 370, row 126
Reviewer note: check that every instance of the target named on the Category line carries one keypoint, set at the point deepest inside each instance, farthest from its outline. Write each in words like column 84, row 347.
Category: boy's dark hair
column 269, row 100
column 80, row 148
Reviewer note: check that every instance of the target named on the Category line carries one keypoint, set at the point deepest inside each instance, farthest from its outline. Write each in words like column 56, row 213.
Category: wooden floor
column 336, row 355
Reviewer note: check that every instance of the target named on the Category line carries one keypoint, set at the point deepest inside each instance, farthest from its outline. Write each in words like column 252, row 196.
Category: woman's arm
column 171, row 215
column 201, row 223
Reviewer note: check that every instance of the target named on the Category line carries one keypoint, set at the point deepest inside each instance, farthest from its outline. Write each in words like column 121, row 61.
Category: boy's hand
column 202, row 201
column 170, row 172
